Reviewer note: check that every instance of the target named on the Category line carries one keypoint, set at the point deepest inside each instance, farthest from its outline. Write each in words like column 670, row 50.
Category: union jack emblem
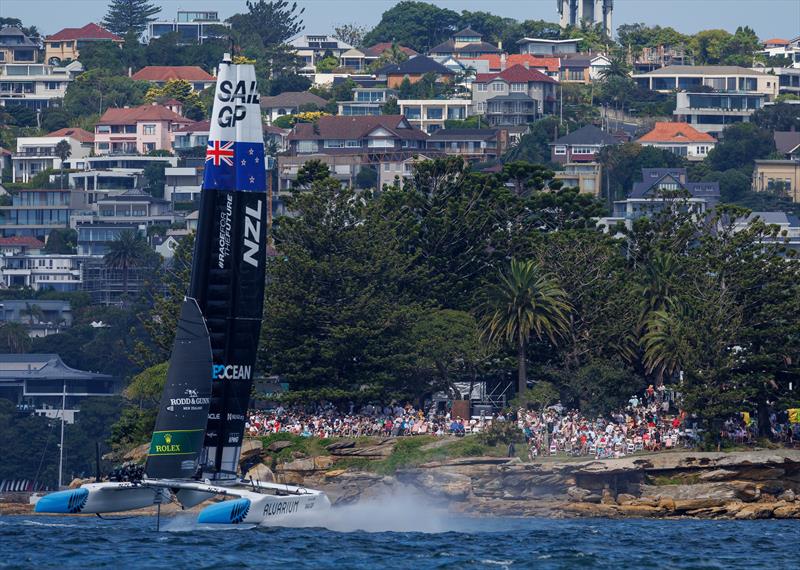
column 219, row 152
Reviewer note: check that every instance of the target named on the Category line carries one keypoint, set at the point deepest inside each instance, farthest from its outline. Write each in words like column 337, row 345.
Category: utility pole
column 61, row 446
column 561, row 105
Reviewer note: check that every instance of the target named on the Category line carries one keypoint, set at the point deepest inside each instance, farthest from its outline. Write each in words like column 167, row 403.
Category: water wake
column 403, row 511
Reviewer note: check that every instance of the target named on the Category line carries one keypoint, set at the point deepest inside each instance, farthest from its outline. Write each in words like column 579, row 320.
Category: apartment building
column 581, row 145
column 348, row 144
column 135, row 130
column 311, row 49
column 430, row 115
column 721, row 78
column 780, row 177
column 36, row 154
column 36, row 85
column 192, row 26
column 16, row 47
column 711, row 112
column 474, row 145
column 65, row 45
column 585, row 176
column 59, row 272
column 679, row 138
column 514, row 96
column 34, row 212
column 366, row 101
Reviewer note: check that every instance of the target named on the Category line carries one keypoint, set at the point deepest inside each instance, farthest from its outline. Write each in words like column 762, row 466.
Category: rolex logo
column 168, row 438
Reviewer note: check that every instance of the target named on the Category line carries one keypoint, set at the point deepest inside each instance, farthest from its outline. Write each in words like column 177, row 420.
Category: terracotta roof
column 195, row 127
column 354, row 127
column 378, row 49
column 171, row 102
column 116, row 116
column 24, row 241
column 74, row 133
column 515, row 74
column 88, row 32
column 167, row 72
column 676, row 133
column 776, row 42
column 550, row 63
column 292, row 99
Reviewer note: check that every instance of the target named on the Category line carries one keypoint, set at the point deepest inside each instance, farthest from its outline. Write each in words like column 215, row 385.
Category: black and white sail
column 230, row 254
column 183, row 411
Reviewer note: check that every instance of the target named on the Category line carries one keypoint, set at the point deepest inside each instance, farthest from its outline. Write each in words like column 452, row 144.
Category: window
column 352, row 144
column 561, row 150
column 149, row 129
column 482, row 86
column 51, row 85
column 334, row 143
column 518, row 87
column 434, row 113
column 102, row 146
column 582, row 150
column 55, row 45
column 387, row 166
column 130, row 129
column 498, row 86
column 149, row 147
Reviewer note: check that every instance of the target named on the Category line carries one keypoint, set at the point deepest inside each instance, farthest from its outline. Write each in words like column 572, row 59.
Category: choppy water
column 407, row 539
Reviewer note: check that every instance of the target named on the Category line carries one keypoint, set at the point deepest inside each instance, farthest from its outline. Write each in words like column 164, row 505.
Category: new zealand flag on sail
column 233, row 165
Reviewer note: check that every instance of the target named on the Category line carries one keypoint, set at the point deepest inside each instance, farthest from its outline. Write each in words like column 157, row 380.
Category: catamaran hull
column 269, row 510
column 99, row 498
column 251, row 503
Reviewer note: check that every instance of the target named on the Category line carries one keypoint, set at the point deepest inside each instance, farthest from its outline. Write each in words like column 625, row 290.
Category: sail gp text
column 236, row 96
column 281, row 508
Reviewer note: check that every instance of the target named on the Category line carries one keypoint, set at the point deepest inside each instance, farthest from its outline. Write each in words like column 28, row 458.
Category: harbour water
column 358, row 543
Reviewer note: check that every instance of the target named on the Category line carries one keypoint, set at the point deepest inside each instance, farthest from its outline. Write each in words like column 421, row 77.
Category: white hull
column 251, row 503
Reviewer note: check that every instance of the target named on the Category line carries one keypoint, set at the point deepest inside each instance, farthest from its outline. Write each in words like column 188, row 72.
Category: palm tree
column 664, row 348
column 34, row 312
column 63, row 152
column 525, row 301
column 15, row 337
column 124, row 252
column 617, row 67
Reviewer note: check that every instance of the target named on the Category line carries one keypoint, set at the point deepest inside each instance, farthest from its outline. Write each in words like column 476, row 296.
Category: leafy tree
column 524, row 302
column 352, row 34
column 446, row 342
column 146, row 387
column 155, row 179
column 526, row 176
column 125, row 252
column 288, row 82
column 61, row 240
column 95, row 91
column 180, row 90
column 780, row 117
column 709, row 47
column 54, row 118
column 741, row 144
column 618, row 67
column 312, row 171
column 418, row 25
column 126, row 16
column 622, row 165
column 327, row 64
column 367, row 178
column 106, row 56
column 14, row 337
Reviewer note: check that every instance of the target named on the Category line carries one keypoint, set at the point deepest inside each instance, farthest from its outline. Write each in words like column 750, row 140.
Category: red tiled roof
column 88, row 32
column 379, row 48
column 24, row 241
column 776, row 42
column 550, row 63
column 515, row 74
column 116, row 116
column 167, row 72
column 195, row 127
column 74, row 133
column 676, row 133
column 349, row 128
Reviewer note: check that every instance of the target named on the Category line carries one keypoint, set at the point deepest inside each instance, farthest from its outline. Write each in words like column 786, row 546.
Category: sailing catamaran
column 195, row 448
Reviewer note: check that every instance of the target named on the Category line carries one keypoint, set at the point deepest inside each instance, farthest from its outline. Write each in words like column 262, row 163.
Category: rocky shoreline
column 756, row 484
column 738, row 485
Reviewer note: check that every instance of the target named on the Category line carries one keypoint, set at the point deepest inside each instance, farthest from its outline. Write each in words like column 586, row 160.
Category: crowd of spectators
column 651, row 422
